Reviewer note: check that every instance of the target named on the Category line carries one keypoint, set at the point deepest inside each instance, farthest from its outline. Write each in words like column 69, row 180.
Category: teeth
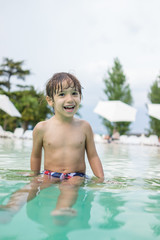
column 69, row 107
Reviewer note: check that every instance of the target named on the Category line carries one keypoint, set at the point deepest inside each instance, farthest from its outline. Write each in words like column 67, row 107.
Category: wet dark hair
column 54, row 84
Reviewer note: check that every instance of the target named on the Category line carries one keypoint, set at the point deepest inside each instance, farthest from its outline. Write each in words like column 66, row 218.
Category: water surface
column 127, row 206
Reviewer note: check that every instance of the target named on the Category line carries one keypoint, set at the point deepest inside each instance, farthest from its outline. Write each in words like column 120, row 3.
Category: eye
column 61, row 94
column 75, row 93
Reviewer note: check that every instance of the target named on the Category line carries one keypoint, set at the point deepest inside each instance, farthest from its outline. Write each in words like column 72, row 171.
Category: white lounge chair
column 153, row 139
column 146, row 140
column 99, row 139
column 28, row 134
column 133, row 140
column 2, row 132
column 18, row 132
column 123, row 139
column 6, row 134
column 143, row 139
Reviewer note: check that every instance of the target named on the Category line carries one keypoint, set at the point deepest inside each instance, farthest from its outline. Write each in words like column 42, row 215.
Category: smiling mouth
column 69, row 108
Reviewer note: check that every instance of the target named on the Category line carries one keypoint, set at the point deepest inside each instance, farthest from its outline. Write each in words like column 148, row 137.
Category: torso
column 64, row 146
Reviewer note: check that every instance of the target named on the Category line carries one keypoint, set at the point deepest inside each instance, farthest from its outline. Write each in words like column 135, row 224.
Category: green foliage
column 8, row 69
column 154, row 93
column 154, row 97
column 30, row 103
column 32, row 106
column 116, row 88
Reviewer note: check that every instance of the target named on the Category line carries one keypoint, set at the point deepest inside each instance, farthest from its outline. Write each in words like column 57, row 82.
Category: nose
column 69, row 98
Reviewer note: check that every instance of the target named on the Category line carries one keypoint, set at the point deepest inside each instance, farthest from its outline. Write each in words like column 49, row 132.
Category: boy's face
column 66, row 101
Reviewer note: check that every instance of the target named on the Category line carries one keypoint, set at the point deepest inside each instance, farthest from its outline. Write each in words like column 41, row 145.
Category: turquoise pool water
column 127, row 206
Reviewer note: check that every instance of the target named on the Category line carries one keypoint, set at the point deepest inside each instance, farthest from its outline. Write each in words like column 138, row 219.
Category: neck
column 64, row 119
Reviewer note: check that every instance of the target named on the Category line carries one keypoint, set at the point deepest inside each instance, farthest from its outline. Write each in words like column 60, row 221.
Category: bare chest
column 64, row 138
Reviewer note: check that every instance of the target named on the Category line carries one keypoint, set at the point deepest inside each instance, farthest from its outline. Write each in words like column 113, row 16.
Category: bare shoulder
column 85, row 125
column 40, row 127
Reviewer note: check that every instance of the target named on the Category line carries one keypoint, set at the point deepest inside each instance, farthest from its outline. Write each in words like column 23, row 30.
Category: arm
column 36, row 149
column 92, row 155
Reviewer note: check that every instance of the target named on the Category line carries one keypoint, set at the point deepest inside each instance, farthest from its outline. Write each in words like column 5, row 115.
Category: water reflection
column 39, row 210
column 121, row 160
column 109, row 205
column 152, row 184
column 95, row 209
column 153, row 207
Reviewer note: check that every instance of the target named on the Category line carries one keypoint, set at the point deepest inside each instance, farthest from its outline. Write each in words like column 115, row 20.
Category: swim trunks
column 63, row 176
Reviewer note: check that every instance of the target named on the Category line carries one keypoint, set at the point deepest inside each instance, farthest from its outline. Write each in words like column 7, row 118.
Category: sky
column 84, row 37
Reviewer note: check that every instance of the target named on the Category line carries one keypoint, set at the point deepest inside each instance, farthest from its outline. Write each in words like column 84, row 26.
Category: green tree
column 9, row 69
column 32, row 106
column 154, row 97
column 117, row 88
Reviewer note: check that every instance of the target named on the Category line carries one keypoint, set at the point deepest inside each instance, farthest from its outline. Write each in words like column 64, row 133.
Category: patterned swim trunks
column 63, row 176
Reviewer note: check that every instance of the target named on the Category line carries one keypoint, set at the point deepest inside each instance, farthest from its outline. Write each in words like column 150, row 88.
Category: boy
column 63, row 137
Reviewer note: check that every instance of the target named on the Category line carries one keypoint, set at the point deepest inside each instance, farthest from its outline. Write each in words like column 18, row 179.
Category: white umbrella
column 7, row 106
column 154, row 110
column 116, row 111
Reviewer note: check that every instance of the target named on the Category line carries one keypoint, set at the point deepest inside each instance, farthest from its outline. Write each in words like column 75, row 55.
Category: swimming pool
column 125, row 207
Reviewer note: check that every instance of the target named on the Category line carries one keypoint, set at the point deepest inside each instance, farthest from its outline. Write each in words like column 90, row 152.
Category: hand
column 98, row 180
column 32, row 174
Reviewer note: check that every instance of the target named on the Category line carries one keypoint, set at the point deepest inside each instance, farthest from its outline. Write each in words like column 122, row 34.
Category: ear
column 49, row 101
